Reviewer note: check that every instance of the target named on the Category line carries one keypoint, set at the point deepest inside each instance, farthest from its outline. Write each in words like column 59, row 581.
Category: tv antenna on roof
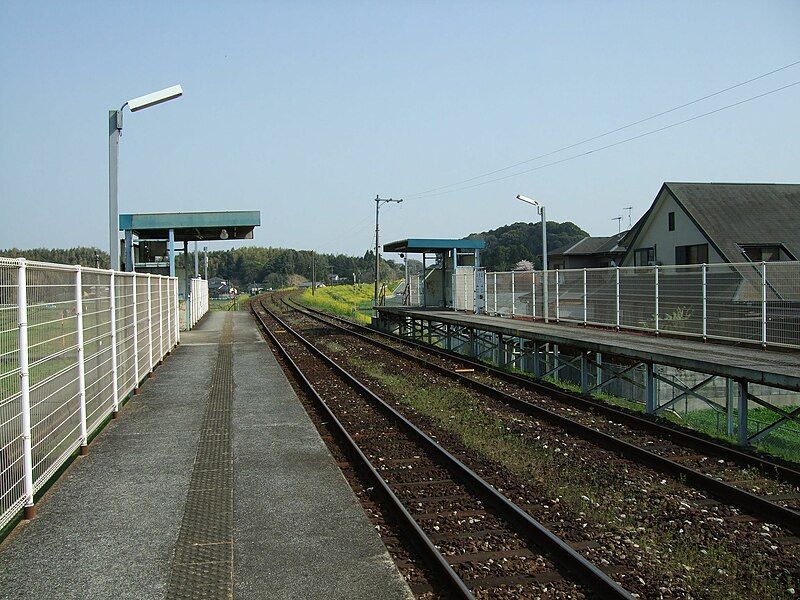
column 619, row 224
column 629, row 209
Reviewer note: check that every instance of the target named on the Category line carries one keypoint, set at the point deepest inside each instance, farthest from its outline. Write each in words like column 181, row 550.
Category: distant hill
column 507, row 245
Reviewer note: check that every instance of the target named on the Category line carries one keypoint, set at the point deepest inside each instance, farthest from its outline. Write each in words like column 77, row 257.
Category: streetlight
column 540, row 210
column 378, row 201
column 114, row 133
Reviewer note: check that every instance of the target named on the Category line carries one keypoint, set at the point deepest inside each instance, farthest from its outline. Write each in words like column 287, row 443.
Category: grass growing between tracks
column 350, row 301
column 708, row 567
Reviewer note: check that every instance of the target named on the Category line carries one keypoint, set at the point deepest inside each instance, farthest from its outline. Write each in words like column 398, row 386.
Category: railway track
column 476, row 540
column 762, row 488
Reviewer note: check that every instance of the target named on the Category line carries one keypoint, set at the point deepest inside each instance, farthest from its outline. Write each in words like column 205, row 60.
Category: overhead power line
column 607, row 133
column 607, row 146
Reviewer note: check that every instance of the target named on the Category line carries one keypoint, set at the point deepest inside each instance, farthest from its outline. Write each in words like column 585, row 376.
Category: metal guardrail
column 750, row 302
column 74, row 342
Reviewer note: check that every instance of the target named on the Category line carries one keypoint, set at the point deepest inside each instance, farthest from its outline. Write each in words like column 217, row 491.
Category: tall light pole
column 114, row 133
column 540, row 210
column 378, row 202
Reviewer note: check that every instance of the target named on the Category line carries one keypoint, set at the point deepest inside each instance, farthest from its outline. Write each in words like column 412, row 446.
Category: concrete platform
column 779, row 369
column 109, row 527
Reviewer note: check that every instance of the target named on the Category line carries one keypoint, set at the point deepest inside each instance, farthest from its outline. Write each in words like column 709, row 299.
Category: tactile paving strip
column 202, row 566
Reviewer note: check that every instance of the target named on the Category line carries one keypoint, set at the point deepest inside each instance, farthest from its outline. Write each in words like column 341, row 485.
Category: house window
column 691, row 255
column 671, row 220
column 765, row 253
column 644, row 256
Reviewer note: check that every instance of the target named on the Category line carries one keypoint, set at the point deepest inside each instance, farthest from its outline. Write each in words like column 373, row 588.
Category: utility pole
column 313, row 273
column 378, row 201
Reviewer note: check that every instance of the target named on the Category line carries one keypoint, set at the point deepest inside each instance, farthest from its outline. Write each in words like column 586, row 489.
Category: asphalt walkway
column 212, row 483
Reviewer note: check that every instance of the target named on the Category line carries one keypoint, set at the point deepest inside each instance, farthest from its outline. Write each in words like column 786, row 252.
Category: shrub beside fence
column 74, row 342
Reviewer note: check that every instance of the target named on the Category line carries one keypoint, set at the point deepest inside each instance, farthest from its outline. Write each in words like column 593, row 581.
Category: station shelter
column 454, row 279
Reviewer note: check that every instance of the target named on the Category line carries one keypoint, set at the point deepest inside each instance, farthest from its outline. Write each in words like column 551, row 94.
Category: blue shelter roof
column 433, row 245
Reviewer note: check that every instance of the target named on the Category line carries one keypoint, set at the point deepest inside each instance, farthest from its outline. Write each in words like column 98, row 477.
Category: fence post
column 533, row 293
column 495, row 292
column 169, row 315
column 136, row 378
column 81, row 368
column 558, row 307
column 585, row 300
column 175, row 309
column 160, row 321
column 149, row 324
column 705, row 303
column 114, row 367
column 618, row 304
column 25, row 389
column 655, row 271
column 513, row 291
column 763, row 304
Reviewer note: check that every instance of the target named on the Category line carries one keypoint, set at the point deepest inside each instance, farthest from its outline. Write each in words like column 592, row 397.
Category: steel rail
column 757, row 505
column 530, row 529
column 688, row 438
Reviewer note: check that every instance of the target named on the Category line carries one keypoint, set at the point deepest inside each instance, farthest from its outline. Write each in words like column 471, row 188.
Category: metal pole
column 114, row 132
column 585, row 299
column 81, row 367
column 314, row 273
column 196, row 262
column 763, row 304
column 705, row 303
column 377, row 258
column 25, row 391
column 558, row 308
column 113, row 306
column 742, row 433
column 171, row 251
column 513, row 292
column 495, row 292
column 533, row 294
column 136, row 378
column 584, row 373
column 618, row 311
column 650, row 389
column 545, row 294
column 175, row 308
column 160, row 320
column 205, row 263
column 729, row 406
column 655, row 270
column 149, row 324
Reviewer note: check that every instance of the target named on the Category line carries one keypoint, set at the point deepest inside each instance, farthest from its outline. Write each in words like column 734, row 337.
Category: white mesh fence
column 89, row 336
column 752, row 302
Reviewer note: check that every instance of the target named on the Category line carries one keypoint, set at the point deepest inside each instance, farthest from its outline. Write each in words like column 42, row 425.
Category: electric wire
column 607, row 133
column 607, row 146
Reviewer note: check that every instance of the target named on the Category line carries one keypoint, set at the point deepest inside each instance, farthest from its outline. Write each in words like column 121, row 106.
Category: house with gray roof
column 695, row 223
column 589, row 253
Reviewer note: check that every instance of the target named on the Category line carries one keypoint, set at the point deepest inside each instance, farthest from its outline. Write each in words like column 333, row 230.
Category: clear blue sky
column 307, row 110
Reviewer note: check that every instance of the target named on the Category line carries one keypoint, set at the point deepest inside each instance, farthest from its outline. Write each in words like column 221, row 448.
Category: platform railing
column 198, row 300
column 743, row 302
column 74, row 343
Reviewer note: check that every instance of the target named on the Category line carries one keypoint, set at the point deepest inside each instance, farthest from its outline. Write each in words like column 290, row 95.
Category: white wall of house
column 655, row 233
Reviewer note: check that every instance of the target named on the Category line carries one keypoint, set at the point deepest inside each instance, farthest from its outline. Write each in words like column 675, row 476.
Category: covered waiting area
column 451, row 257
column 157, row 234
